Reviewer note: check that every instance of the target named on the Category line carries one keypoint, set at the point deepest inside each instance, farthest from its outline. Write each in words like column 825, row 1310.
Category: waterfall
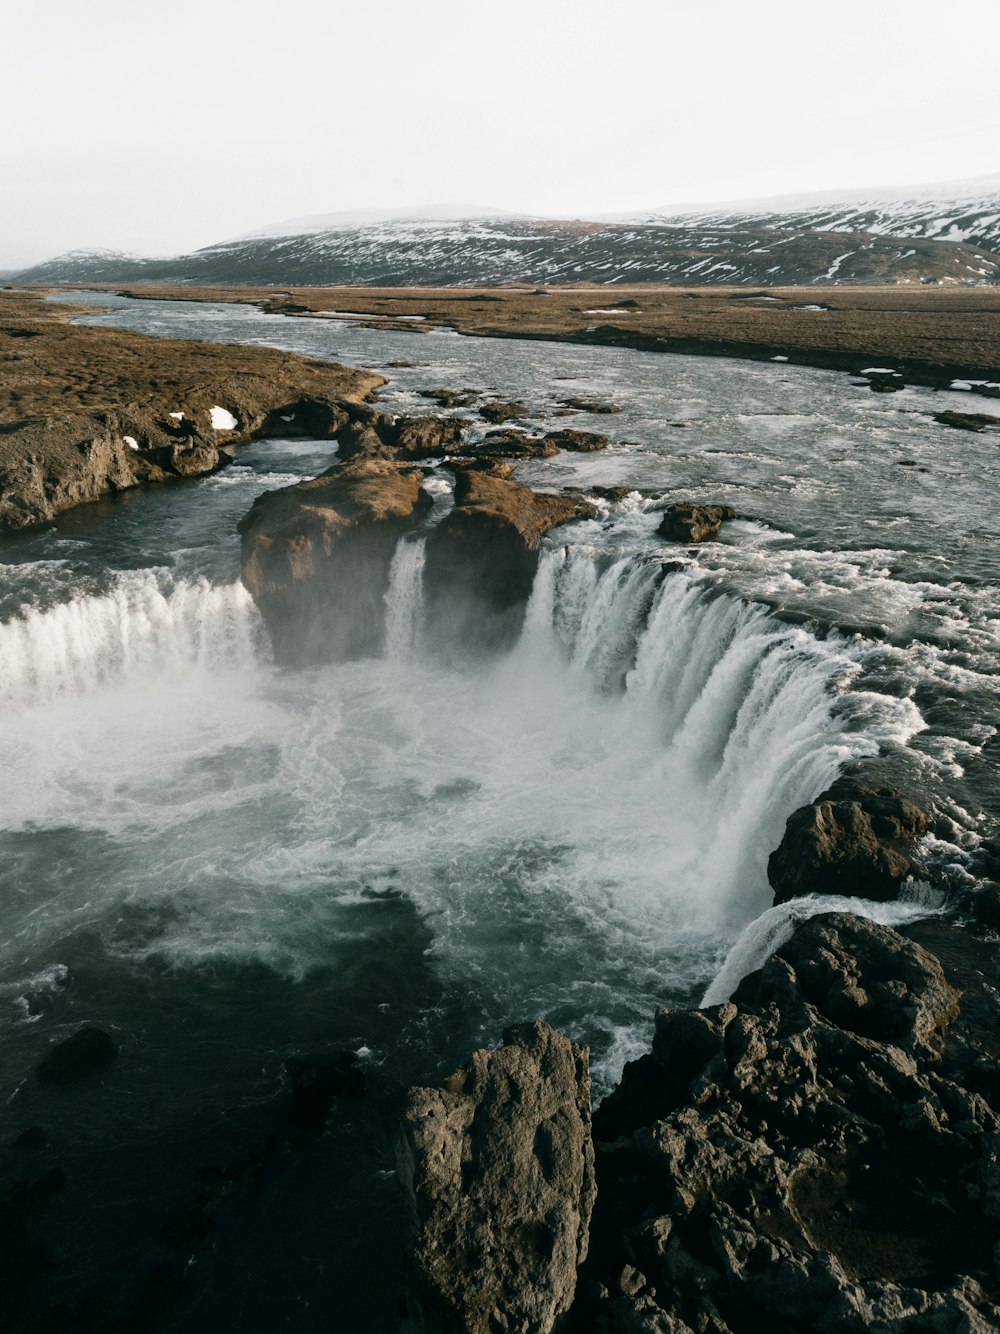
column 752, row 717
column 404, row 599
column 139, row 627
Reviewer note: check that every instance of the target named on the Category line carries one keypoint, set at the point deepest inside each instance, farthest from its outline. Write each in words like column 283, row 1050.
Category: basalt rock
column 373, row 434
column 820, row 1153
column 316, row 557
column 87, row 1050
column 514, row 444
column 582, row 442
column 498, row 1169
column 688, row 522
column 967, row 421
column 589, row 405
column 452, row 398
column 482, row 557
column 852, row 840
column 501, row 411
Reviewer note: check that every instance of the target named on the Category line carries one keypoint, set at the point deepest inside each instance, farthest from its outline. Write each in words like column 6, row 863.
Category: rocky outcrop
column 589, row 405
column 316, row 557
column 583, row 442
column 87, row 1050
column 500, row 410
column 482, row 558
column 821, row 1153
column 371, row 433
column 967, row 421
column 498, row 1169
column 513, row 444
column 688, row 522
column 852, row 840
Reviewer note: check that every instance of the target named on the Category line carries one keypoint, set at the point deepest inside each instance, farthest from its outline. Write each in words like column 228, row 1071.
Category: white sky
column 160, row 128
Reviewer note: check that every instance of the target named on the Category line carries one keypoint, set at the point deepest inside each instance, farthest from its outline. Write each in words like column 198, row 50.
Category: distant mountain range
column 947, row 233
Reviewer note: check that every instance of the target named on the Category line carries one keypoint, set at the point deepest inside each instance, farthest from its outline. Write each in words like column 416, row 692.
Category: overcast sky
column 160, row 128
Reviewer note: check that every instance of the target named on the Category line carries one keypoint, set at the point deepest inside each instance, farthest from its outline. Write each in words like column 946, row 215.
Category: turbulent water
column 227, row 863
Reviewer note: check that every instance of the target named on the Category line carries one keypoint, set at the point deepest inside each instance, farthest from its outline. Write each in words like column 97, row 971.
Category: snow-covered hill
column 947, row 237
column 967, row 211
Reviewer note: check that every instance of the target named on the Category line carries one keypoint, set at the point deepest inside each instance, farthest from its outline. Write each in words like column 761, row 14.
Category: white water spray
column 139, row 628
column 404, row 599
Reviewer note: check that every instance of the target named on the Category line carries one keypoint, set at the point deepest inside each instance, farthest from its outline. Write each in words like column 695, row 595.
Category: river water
column 227, row 864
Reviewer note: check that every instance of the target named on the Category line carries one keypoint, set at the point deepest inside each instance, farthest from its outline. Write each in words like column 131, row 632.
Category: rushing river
column 226, row 863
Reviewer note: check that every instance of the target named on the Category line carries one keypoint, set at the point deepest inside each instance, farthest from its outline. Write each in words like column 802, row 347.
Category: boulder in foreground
column 818, row 1154
column 498, row 1166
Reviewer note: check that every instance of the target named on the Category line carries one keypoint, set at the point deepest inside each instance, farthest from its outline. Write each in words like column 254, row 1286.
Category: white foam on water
column 139, row 626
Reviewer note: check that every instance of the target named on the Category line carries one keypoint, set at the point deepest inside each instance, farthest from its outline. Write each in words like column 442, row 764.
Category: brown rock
column 316, row 557
column 482, row 557
column 853, row 840
column 688, row 522
column 582, row 442
column 589, row 405
column 813, row 1155
column 514, row 445
column 501, row 411
column 967, row 421
column 498, row 1167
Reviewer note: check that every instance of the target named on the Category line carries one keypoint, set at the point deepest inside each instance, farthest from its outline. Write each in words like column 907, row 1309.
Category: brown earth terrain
column 86, row 411
column 931, row 334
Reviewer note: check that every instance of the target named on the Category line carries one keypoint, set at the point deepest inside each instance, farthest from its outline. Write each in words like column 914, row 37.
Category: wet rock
column 581, row 442
column 32, row 1138
column 688, row 522
column 812, row 1155
column 589, row 405
column 514, row 445
column 967, row 421
column 853, row 840
column 405, row 439
column 424, row 437
column 885, row 384
column 87, row 1050
column 482, row 558
column 498, row 1170
column 493, row 467
column 500, row 411
column 316, row 557
column 452, row 398
column 314, row 1081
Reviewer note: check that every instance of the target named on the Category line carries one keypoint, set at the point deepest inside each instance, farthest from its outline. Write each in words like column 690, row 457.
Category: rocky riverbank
column 85, row 412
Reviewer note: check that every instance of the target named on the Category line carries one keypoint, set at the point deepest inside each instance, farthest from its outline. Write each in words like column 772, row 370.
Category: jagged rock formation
column 482, row 558
column 852, row 840
column 688, row 522
column 316, row 556
column 811, row 1156
column 498, row 1168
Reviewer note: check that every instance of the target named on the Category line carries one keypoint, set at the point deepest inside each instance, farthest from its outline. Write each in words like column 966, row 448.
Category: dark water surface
column 226, row 864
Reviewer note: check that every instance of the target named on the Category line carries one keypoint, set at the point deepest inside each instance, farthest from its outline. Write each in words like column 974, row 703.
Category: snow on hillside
column 967, row 211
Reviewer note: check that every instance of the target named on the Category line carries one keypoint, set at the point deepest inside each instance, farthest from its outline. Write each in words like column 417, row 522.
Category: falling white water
column 138, row 628
column 772, row 929
column 404, row 599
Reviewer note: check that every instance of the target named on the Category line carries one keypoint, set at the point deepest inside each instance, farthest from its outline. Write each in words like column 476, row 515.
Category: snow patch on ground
column 223, row 419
